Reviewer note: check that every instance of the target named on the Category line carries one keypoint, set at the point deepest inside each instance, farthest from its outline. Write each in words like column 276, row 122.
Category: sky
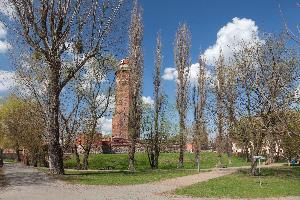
column 214, row 24
column 205, row 19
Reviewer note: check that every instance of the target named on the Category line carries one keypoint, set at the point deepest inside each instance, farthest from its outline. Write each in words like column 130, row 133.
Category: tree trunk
column 26, row 159
column 219, row 148
column 255, row 152
column 156, row 156
column 1, row 158
column 45, row 162
column 197, row 158
column 247, row 154
column 54, row 150
column 277, row 154
column 33, row 158
column 18, row 154
column 131, row 156
column 229, row 152
column 78, row 164
column 272, row 151
column 151, row 158
column 156, row 150
column 85, row 161
column 134, row 127
column 253, row 170
column 181, row 143
column 34, row 161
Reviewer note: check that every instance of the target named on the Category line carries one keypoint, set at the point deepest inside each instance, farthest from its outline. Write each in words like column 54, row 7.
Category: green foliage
column 275, row 182
column 37, row 56
column 166, row 161
column 291, row 146
column 10, row 115
column 21, row 126
column 291, row 141
column 78, row 46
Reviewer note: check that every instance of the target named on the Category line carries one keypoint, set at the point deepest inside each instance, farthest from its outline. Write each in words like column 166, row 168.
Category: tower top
column 124, row 64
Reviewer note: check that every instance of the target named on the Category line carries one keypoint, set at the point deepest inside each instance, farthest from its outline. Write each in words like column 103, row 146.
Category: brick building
column 119, row 142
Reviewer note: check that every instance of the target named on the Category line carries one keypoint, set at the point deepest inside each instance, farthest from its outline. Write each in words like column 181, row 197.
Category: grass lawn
column 166, row 161
column 121, row 177
column 276, row 182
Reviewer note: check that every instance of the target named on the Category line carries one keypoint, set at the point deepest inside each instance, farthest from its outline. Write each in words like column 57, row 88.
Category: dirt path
column 26, row 183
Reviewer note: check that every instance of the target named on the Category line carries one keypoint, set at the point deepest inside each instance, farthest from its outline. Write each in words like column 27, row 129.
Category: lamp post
column 259, row 158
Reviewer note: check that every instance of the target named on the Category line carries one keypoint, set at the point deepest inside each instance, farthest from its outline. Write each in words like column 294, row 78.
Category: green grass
column 276, row 182
column 167, row 168
column 9, row 160
column 166, row 161
column 121, row 177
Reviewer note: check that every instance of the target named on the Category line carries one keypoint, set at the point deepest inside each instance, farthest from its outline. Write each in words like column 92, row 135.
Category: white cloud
column 170, row 74
column 229, row 36
column 297, row 93
column 228, row 39
column 6, row 80
column 3, row 31
column 102, row 101
column 105, row 125
column 148, row 100
column 4, row 45
column 7, row 8
column 194, row 73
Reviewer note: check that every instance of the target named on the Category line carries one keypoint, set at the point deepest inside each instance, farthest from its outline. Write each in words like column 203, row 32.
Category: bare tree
column 199, row 102
column 97, row 93
column 154, row 139
column 50, row 29
column 276, row 84
column 182, row 47
column 267, row 82
column 70, row 123
column 230, row 100
column 220, row 108
column 136, row 62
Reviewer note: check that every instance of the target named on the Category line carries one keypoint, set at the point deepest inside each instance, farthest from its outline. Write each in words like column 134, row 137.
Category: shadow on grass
column 123, row 177
column 87, row 173
column 124, row 172
column 281, row 172
column 3, row 181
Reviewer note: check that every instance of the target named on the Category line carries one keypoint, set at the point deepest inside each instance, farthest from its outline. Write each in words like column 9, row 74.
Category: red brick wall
column 120, row 118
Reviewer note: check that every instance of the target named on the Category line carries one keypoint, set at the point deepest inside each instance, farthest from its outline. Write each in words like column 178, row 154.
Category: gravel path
column 26, row 183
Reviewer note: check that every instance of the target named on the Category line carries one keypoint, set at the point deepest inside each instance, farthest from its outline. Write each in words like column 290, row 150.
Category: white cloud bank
column 3, row 31
column 105, row 125
column 4, row 45
column 148, row 100
column 171, row 73
column 228, row 37
column 6, row 80
column 7, row 8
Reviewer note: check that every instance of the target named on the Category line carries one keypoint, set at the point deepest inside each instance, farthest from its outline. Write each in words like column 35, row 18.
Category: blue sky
column 205, row 18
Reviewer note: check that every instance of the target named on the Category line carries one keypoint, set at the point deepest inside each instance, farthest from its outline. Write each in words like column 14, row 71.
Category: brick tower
column 120, row 119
